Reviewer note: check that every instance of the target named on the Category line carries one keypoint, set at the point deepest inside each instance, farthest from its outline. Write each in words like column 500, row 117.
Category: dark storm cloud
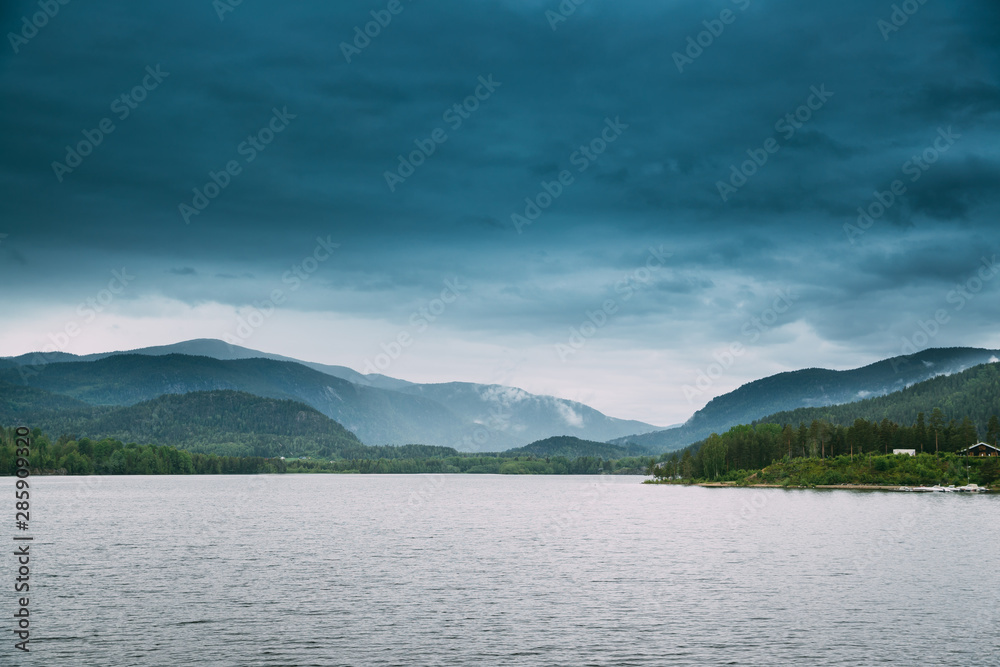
column 656, row 183
column 955, row 191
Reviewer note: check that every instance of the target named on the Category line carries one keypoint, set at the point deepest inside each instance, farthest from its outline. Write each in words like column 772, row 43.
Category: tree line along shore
column 68, row 456
column 825, row 454
column 818, row 454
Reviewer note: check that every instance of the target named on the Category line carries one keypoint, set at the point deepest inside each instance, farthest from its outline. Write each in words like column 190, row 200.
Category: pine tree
column 993, row 431
column 937, row 426
column 921, row 431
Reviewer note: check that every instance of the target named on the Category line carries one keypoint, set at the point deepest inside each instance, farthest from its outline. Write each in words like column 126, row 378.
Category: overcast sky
column 649, row 259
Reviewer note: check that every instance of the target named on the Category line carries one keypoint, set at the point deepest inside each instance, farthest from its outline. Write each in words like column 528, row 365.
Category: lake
column 501, row 570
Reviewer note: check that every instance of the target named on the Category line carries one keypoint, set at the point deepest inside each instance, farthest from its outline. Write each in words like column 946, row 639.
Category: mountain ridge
column 811, row 387
column 460, row 415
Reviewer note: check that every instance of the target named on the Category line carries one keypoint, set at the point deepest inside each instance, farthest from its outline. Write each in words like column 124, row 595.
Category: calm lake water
column 496, row 570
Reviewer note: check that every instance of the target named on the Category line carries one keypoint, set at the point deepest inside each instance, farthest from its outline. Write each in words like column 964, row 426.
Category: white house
column 908, row 452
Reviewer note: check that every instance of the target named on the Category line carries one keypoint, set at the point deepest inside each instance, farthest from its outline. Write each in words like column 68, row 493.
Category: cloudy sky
column 599, row 204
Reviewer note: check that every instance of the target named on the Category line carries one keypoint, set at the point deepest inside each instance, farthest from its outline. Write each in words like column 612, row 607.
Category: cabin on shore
column 980, row 449
column 905, row 452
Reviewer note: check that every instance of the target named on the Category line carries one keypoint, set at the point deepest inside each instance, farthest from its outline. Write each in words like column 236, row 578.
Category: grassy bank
column 869, row 470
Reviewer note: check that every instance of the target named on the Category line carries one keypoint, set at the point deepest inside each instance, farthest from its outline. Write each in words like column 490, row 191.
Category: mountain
column 973, row 393
column 378, row 416
column 527, row 417
column 812, row 387
column 18, row 403
column 216, row 349
column 512, row 417
column 573, row 448
column 226, row 423
column 464, row 416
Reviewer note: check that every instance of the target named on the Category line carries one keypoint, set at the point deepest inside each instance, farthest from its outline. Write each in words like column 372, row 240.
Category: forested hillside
column 377, row 415
column 226, row 423
column 812, row 387
column 974, row 393
column 755, row 447
column 108, row 456
column 570, row 447
column 466, row 416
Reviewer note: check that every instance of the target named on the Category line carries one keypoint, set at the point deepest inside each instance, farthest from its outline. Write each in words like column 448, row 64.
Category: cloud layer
column 639, row 185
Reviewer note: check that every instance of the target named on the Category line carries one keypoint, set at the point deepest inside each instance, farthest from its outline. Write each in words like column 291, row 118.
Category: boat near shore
column 968, row 488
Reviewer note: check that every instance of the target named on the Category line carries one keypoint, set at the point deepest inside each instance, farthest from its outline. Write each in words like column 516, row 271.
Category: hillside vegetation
column 225, row 423
column 974, row 393
column 812, row 387
column 570, row 447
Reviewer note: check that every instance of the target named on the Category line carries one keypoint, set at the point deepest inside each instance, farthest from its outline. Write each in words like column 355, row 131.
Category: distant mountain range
column 380, row 410
column 234, row 423
column 87, row 394
column 812, row 387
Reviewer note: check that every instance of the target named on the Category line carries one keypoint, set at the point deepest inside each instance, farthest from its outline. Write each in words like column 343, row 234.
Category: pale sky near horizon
column 690, row 198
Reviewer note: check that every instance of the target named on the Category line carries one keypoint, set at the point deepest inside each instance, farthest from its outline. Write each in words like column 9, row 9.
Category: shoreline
column 842, row 487
column 826, row 487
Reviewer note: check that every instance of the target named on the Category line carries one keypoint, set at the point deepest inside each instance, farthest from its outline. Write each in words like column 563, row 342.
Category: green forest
column 497, row 464
column 226, row 431
column 826, row 453
column 69, row 456
column 225, row 423
column 111, row 457
column 974, row 393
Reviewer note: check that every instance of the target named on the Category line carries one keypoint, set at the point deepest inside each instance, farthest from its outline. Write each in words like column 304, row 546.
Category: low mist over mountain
column 524, row 416
column 812, row 387
column 465, row 416
column 379, row 409
column 973, row 393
